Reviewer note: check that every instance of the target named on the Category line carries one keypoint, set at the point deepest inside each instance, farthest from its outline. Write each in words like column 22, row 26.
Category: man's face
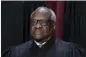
column 40, row 27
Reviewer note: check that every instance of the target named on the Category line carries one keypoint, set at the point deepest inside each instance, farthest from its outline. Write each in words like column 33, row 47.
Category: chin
column 39, row 39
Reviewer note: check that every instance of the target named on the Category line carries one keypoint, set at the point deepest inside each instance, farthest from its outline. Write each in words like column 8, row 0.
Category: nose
column 38, row 25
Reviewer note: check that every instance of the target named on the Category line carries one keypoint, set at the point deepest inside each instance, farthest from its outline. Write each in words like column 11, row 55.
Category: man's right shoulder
column 17, row 50
column 25, row 44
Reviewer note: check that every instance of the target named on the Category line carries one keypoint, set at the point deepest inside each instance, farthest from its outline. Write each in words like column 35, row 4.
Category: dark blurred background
column 71, row 21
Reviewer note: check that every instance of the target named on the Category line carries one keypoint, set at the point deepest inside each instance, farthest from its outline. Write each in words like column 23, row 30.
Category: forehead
column 39, row 16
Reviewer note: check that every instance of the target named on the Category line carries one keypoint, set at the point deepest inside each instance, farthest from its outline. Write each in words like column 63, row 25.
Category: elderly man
column 44, row 42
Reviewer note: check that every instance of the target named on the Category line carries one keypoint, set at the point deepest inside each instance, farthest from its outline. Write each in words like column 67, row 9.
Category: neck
column 45, row 40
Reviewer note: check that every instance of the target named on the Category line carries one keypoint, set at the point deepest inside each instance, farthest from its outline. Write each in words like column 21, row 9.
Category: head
column 43, row 23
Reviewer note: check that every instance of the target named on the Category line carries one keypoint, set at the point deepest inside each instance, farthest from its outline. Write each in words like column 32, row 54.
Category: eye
column 33, row 21
column 43, row 22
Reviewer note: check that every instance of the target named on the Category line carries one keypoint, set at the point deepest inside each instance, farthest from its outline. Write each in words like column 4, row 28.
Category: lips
column 37, row 32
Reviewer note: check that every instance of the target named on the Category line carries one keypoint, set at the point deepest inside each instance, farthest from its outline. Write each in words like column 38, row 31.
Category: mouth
column 37, row 34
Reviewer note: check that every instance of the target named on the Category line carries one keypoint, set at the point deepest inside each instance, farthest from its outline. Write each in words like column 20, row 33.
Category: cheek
column 46, row 29
column 31, row 29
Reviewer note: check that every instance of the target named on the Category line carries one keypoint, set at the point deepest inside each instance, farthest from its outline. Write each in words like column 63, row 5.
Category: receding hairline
column 48, row 10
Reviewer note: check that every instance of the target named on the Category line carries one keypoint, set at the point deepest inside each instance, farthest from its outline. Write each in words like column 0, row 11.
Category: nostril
column 38, row 25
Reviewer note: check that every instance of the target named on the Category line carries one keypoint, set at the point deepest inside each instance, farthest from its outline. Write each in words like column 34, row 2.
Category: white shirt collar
column 39, row 44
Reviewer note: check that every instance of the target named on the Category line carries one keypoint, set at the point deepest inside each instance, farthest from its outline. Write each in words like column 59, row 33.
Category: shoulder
column 63, row 45
column 24, row 45
column 70, row 48
column 17, row 50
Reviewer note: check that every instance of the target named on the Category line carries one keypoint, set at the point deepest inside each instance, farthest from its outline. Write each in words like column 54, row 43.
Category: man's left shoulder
column 70, row 48
column 68, row 45
column 61, row 43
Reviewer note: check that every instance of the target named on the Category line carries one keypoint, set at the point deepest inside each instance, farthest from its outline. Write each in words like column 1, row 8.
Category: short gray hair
column 53, row 16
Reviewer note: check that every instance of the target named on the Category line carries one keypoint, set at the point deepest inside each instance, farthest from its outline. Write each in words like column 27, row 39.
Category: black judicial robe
column 53, row 48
